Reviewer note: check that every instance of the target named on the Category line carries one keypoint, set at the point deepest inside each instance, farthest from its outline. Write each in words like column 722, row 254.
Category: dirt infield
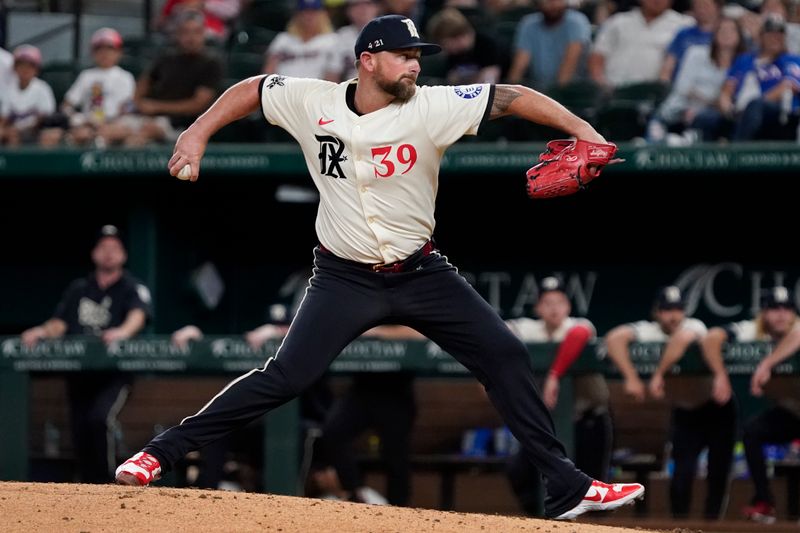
column 45, row 507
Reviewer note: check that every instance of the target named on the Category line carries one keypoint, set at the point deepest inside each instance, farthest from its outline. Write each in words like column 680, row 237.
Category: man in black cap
column 703, row 412
column 111, row 304
column 775, row 323
column 373, row 146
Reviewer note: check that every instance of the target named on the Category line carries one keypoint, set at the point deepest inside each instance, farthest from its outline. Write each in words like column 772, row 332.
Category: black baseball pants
column 710, row 425
column 342, row 301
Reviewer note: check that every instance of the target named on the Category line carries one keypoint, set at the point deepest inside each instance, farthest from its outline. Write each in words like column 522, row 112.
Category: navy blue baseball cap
column 550, row 284
column 303, row 5
column 670, row 297
column 392, row 32
column 776, row 297
column 109, row 230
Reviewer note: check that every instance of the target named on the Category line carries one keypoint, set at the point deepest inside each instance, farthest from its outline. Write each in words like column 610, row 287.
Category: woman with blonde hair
column 304, row 49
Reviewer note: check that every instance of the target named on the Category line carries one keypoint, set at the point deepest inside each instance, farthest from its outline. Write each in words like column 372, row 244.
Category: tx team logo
column 330, row 155
column 276, row 80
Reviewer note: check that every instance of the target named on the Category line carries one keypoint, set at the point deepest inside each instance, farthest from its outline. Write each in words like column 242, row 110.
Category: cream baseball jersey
column 532, row 330
column 378, row 173
column 647, row 331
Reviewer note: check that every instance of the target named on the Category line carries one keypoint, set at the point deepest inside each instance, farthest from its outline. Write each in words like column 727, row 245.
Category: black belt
column 397, row 266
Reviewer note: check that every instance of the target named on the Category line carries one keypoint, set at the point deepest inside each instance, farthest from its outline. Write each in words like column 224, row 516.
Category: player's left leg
column 341, row 302
column 441, row 305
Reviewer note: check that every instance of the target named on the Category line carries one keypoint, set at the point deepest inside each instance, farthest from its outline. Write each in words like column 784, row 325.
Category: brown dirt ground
column 45, row 507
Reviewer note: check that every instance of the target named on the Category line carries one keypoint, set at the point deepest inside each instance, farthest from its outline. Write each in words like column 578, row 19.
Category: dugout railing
column 232, row 356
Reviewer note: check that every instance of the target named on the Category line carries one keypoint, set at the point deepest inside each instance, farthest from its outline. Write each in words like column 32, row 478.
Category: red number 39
column 406, row 155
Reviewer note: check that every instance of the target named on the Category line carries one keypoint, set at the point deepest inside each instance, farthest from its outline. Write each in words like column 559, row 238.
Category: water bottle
column 52, row 440
column 656, row 132
column 787, row 97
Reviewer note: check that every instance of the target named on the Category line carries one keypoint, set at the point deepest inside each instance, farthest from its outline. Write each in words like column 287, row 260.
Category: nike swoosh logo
column 322, row 122
column 596, row 497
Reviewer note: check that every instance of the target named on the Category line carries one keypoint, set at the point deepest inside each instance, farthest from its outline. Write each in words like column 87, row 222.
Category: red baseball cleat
column 139, row 471
column 605, row 497
column 760, row 512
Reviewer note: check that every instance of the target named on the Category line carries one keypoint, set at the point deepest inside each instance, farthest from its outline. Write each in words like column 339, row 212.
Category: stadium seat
column 270, row 14
column 621, row 120
column 251, row 39
column 60, row 76
column 581, row 97
column 651, row 92
column 243, row 65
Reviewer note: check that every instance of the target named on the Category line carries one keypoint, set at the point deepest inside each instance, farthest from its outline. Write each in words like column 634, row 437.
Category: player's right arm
column 712, row 354
column 52, row 329
column 674, row 350
column 237, row 102
column 786, row 347
column 618, row 341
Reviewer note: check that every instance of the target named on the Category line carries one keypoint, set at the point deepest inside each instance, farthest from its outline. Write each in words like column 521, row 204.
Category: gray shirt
column 547, row 44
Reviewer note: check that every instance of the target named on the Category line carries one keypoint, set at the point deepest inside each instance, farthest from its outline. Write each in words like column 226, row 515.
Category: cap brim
column 426, row 49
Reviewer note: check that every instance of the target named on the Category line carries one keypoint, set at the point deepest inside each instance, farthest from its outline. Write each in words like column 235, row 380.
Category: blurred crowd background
column 653, row 71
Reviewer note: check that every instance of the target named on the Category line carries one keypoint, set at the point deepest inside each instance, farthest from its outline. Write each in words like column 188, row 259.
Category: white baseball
column 185, row 173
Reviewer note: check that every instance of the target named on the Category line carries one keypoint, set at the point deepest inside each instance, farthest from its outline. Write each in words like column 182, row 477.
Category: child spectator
column 100, row 94
column 28, row 101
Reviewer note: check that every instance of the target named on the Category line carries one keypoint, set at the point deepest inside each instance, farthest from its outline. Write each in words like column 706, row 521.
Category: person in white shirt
column 776, row 323
column 304, row 49
column 703, row 410
column 630, row 46
column 28, row 101
column 342, row 64
column 6, row 72
column 373, row 146
column 99, row 95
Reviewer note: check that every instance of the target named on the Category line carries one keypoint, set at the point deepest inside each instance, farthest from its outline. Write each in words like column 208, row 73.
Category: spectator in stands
column 99, row 96
column 697, row 419
column 593, row 433
column 550, row 46
column 707, row 15
column 781, row 8
column 219, row 15
column 28, row 100
column 408, row 8
column 775, row 323
column 470, row 56
column 342, row 65
column 692, row 102
column 178, row 87
column 703, row 416
column 773, row 113
column 630, row 46
column 113, row 306
column 308, row 46
column 6, row 72
column 383, row 402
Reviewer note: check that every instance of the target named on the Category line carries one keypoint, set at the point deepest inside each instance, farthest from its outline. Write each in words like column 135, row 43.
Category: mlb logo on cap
column 392, row 32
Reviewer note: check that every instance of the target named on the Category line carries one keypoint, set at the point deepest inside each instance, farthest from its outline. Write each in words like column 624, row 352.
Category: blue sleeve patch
column 468, row 91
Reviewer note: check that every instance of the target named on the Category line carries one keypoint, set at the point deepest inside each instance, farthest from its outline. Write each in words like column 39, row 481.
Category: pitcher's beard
column 400, row 89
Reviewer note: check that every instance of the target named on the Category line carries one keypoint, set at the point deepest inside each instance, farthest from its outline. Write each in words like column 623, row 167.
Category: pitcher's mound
column 94, row 508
